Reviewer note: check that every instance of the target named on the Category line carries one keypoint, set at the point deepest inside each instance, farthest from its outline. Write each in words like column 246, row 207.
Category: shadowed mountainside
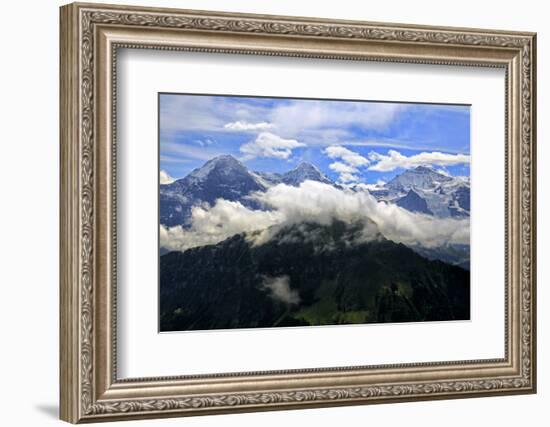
column 307, row 274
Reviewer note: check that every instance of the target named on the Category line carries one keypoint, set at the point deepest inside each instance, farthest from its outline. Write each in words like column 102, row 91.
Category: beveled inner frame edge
column 116, row 38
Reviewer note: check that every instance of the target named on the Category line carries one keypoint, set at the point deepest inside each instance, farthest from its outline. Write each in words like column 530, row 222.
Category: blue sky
column 350, row 141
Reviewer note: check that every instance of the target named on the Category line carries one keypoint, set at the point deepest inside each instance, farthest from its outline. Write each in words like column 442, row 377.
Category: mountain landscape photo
column 280, row 212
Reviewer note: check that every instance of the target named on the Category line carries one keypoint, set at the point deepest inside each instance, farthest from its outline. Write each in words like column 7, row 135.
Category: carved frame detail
column 80, row 400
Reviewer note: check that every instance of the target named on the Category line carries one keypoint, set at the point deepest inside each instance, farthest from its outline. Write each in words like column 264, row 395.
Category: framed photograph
column 266, row 212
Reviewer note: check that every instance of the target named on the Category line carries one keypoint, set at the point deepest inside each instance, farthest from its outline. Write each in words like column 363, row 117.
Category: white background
column 29, row 171
column 145, row 353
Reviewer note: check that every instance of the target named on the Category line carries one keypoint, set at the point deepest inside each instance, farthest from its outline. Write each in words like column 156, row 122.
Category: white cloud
column 268, row 144
column 205, row 113
column 317, row 121
column 348, row 177
column 444, row 171
column 342, row 168
column 346, row 172
column 165, row 178
column 347, row 168
column 312, row 202
column 394, row 160
column 297, row 115
column 213, row 224
column 241, row 125
column 350, row 157
column 377, row 186
column 280, row 289
column 392, row 143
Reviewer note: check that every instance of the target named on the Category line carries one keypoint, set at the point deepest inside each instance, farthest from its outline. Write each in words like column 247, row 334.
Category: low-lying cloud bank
column 311, row 202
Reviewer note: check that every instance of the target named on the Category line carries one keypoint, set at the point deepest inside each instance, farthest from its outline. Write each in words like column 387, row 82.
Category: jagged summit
column 420, row 177
column 307, row 166
column 424, row 169
column 421, row 189
column 303, row 172
column 224, row 163
column 224, row 158
column 428, row 190
column 223, row 177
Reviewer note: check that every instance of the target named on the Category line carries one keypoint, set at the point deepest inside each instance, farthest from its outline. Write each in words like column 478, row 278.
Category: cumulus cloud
column 241, row 125
column 268, row 144
column 312, row 202
column 346, row 172
column 394, row 160
column 348, row 164
column 165, row 178
column 350, row 157
column 342, row 168
column 280, row 290
column 346, row 177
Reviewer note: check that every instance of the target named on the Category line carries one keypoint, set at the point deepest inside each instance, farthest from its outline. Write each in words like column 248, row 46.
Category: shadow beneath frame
column 50, row 410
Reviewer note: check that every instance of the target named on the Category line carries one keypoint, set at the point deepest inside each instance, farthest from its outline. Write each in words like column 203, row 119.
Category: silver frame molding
column 90, row 37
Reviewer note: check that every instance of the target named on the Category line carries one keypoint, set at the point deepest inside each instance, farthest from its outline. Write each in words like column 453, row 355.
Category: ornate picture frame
column 90, row 37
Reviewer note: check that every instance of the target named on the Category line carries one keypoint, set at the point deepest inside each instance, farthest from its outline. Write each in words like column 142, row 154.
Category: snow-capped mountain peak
column 428, row 190
column 224, row 164
column 420, row 177
column 303, row 172
column 422, row 189
column 223, row 177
